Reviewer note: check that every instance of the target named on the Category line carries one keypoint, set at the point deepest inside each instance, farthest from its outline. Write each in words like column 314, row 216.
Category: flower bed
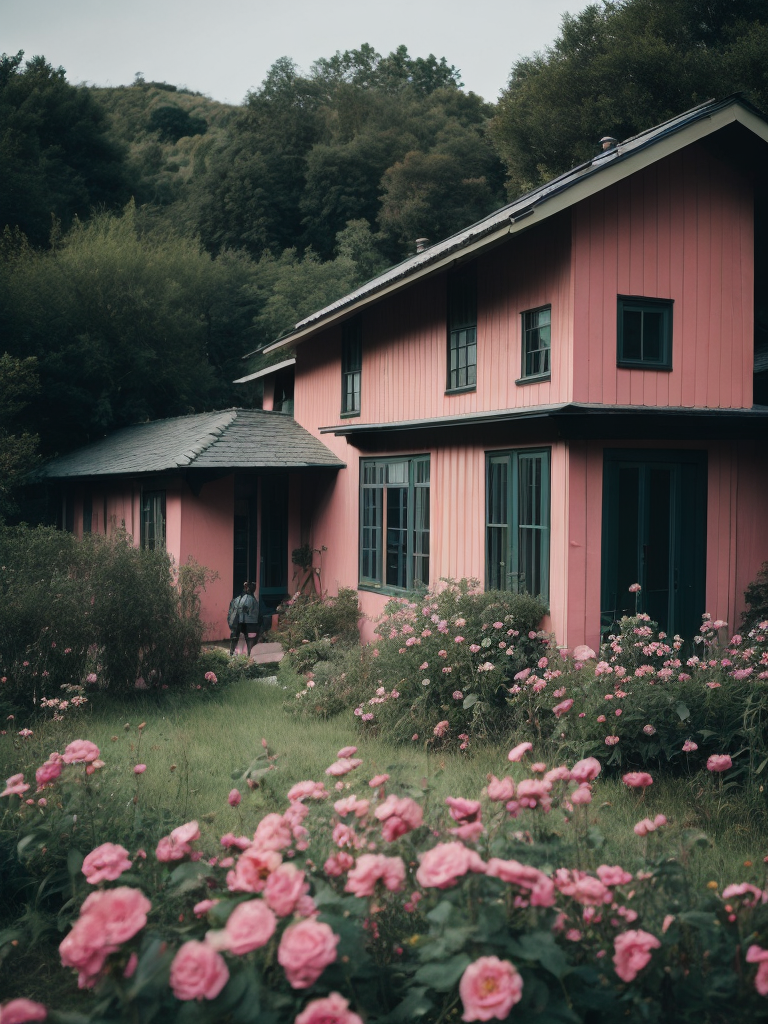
column 345, row 906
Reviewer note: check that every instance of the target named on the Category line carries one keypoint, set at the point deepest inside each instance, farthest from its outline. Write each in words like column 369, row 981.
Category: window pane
column 632, row 337
column 397, row 473
column 652, row 339
column 517, row 530
column 421, row 537
column 397, row 536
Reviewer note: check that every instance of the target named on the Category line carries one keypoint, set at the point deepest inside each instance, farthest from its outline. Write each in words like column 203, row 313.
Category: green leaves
column 443, row 975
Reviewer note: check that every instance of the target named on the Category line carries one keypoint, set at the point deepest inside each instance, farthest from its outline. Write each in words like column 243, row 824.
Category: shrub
column 448, row 656
column 362, row 907
column 756, row 596
column 307, row 619
column 97, row 610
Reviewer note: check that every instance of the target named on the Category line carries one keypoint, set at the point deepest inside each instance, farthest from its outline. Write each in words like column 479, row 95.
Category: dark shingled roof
column 229, row 438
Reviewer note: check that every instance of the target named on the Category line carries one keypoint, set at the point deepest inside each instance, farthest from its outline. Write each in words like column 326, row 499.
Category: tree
column 620, row 67
column 173, row 123
column 19, row 384
column 56, row 157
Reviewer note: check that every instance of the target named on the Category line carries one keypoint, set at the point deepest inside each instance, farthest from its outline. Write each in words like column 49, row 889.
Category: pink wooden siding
column 681, row 229
column 405, row 341
column 207, row 535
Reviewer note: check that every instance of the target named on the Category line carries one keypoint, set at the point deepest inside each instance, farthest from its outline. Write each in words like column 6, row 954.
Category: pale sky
column 223, row 49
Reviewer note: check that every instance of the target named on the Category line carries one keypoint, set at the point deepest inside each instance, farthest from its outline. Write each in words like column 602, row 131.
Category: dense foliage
column 620, row 67
column 359, row 902
column 93, row 613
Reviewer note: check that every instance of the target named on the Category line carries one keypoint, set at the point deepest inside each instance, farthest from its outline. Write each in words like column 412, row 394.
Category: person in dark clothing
column 243, row 617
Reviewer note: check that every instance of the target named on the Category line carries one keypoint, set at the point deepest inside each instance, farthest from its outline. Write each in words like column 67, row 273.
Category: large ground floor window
column 517, row 521
column 394, row 522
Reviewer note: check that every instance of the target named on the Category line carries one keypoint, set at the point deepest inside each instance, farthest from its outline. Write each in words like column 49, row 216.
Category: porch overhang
column 570, row 421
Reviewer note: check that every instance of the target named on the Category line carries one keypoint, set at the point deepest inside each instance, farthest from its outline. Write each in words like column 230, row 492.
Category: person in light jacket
column 244, row 618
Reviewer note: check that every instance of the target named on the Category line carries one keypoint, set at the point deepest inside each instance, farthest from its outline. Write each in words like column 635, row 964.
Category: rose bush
column 321, row 916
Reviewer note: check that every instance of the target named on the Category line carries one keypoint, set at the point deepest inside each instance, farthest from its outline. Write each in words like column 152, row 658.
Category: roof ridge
column 206, row 441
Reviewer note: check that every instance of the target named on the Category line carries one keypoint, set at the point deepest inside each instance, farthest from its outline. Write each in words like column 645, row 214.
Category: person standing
column 243, row 617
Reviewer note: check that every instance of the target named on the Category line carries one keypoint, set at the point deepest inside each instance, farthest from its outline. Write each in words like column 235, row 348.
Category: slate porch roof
column 226, row 439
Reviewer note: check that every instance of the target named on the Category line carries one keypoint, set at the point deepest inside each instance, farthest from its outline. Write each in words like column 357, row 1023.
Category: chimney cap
column 422, row 244
column 608, row 142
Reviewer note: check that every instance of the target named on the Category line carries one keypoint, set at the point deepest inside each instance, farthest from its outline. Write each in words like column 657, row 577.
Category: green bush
column 332, row 686
column 96, row 611
column 307, row 619
column 756, row 596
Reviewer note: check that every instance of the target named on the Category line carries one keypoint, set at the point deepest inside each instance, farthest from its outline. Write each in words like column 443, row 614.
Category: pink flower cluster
column 107, row 919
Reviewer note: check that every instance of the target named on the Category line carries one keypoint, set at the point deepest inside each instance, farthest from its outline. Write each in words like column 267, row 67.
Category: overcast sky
column 225, row 48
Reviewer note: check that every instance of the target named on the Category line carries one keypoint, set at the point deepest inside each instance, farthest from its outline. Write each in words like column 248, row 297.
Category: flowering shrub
column 306, row 619
column 345, row 907
column 444, row 659
column 92, row 612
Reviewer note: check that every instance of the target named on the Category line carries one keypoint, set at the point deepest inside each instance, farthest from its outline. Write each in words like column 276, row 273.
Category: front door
column 654, row 534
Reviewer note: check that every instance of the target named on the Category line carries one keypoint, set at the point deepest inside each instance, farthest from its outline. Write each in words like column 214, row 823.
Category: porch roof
column 225, row 439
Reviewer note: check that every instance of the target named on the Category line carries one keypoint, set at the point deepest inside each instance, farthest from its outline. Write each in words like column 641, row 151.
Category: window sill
column 540, row 378
column 625, row 364
column 348, row 415
column 388, row 591
column 461, row 391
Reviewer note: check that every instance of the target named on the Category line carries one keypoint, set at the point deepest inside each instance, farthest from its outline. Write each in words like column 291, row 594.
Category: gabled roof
column 564, row 191
column 228, row 439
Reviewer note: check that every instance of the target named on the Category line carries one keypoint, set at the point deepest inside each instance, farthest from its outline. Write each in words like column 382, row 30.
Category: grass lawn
column 206, row 740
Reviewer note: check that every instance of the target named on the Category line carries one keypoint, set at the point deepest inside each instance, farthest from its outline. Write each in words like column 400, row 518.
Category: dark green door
column 244, row 565
column 274, row 540
column 654, row 534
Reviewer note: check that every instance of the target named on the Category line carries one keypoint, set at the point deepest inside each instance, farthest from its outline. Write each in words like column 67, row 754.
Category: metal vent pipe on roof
column 608, row 142
column 422, row 244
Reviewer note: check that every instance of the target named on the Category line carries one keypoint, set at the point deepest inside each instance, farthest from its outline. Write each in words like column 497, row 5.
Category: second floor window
column 351, row 366
column 537, row 342
column 153, row 520
column 462, row 329
column 644, row 332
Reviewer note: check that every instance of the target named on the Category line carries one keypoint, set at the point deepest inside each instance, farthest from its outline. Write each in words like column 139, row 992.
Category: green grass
column 206, row 740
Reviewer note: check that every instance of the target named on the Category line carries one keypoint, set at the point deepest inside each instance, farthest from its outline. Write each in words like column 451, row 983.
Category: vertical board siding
column 681, row 229
column 207, row 535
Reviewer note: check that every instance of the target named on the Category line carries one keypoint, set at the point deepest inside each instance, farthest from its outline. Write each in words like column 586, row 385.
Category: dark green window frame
column 153, row 520
column 517, row 521
column 351, row 366
column 394, row 523
column 644, row 333
column 537, row 344
column 462, row 330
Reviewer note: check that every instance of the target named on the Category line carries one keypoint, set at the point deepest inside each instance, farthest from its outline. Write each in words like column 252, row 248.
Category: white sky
column 225, row 48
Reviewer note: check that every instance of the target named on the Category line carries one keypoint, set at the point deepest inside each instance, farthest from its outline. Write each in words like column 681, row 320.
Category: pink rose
column 755, row 955
column 234, row 797
column 343, row 765
column 337, row 864
column 48, row 773
column 516, row 753
column 613, row 875
column 331, row 1010
column 540, row 887
column 500, row 790
column 372, row 868
column 347, row 752
column 489, row 988
column 689, row 746
column 441, row 729
column 122, row 912
column 139, row 769
column 106, row 863
column 719, row 762
column 198, row 972
column 463, row 810
column 19, row 1011
column 305, row 950
column 352, row 805
column 81, row 750
column 583, row 653
column 15, row 786
column 562, row 707
column 443, row 865
column 250, row 926
column 580, row 886
column 400, row 815
column 632, row 951
column 176, row 845
column 272, row 833
column 637, row 780
column 307, row 790
column 586, row 770
column 378, row 780
column 582, row 794
column 253, row 868
column 284, row 888
column 201, row 909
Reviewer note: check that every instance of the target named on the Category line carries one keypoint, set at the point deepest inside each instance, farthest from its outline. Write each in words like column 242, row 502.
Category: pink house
column 559, row 399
